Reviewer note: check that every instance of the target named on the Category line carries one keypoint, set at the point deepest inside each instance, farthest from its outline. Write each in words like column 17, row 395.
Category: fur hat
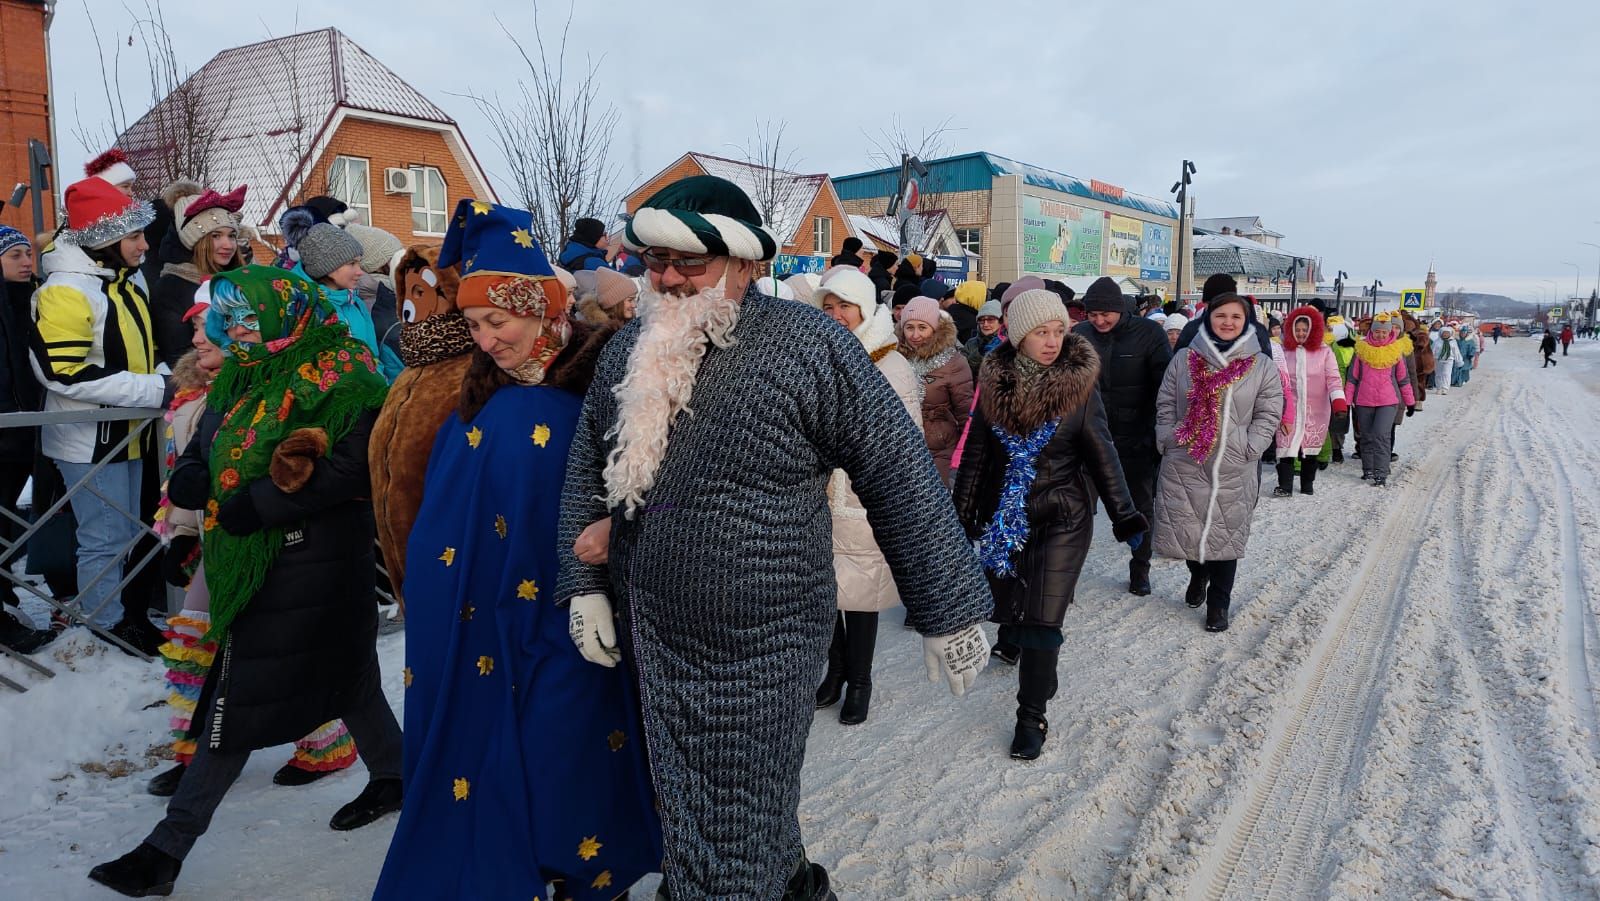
column 852, row 287
column 1176, row 322
column 325, row 247
column 1031, row 309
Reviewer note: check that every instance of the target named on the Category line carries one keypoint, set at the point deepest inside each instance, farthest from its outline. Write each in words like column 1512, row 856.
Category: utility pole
column 1338, row 292
column 1181, row 188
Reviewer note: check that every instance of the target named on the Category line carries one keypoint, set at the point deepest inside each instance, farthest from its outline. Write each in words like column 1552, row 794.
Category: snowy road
column 1404, row 707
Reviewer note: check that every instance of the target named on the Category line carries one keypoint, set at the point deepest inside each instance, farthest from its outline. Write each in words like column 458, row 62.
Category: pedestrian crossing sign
column 1412, row 298
column 1555, row 312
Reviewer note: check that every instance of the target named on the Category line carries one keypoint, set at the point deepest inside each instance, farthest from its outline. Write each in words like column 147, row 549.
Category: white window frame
column 822, row 236
column 420, row 199
column 340, row 184
column 976, row 245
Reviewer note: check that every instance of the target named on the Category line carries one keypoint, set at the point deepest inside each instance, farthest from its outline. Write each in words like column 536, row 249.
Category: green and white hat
column 701, row 214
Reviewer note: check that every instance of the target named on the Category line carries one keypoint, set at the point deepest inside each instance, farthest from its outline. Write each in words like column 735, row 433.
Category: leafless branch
column 777, row 187
column 894, row 141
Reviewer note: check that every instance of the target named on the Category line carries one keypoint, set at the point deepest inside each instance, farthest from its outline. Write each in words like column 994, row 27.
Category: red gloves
column 1339, row 405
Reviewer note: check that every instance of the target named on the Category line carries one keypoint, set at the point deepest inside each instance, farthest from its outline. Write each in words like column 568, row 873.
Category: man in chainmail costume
column 708, row 438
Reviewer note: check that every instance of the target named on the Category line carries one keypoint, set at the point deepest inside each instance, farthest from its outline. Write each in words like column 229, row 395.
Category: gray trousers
column 211, row 773
column 1375, row 438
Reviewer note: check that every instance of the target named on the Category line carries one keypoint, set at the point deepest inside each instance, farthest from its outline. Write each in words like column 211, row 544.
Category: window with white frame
column 349, row 180
column 971, row 240
column 428, row 216
column 822, row 236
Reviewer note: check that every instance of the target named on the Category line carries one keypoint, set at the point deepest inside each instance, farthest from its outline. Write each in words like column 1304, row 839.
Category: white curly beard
column 660, row 377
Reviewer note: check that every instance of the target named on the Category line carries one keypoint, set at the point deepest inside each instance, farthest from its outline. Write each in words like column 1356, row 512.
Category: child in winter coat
column 1313, row 393
column 331, row 257
column 1220, row 404
column 1378, row 384
column 187, row 655
column 1038, row 453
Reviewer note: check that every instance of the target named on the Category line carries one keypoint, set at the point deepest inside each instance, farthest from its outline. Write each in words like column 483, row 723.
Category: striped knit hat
column 701, row 214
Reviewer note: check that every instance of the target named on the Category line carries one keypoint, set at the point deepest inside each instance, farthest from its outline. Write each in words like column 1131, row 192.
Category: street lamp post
column 1554, row 287
column 1576, row 275
column 1181, row 188
column 1338, row 292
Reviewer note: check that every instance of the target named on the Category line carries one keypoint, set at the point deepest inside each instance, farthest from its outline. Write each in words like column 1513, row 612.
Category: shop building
column 1017, row 219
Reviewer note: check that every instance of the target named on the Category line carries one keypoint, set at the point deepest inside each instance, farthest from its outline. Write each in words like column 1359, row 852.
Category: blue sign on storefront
column 787, row 264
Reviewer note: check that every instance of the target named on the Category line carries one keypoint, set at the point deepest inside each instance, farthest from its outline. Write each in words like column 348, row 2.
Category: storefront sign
column 1106, row 188
column 1061, row 238
column 787, row 264
column 1155, row 253
column 1122, row 245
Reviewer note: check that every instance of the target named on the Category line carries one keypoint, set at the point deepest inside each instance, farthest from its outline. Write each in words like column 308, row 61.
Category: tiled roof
column 272, row 100
column 787, row 219
column 1242, row 256
column 883, row 232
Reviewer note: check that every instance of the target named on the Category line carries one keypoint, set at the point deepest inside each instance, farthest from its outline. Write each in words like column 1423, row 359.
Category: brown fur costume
column 420, row 400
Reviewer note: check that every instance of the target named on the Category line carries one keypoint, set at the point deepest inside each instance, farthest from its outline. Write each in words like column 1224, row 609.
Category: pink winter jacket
column 1310, row 386
column 1369, row 387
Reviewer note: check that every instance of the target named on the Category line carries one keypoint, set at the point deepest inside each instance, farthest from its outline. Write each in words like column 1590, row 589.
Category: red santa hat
column 99, row 215
column 111, row 166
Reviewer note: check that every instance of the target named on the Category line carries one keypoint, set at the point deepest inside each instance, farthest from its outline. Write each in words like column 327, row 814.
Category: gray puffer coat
column 1203, row 509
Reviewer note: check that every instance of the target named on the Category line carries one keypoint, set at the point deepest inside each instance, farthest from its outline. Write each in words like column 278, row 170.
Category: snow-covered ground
column 1404, row 707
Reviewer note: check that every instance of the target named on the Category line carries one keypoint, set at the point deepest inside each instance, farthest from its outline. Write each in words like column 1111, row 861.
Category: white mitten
column 593, row 629
column 957, row 656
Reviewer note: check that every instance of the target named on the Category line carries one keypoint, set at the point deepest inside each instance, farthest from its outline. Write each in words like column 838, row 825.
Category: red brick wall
column 683, row 168
column 384, row 146
column 24, row 105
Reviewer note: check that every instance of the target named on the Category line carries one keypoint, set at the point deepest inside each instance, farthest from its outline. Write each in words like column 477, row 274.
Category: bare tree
column 555, row 134
column 894, row 141
column 180, row 135
column 778, row 188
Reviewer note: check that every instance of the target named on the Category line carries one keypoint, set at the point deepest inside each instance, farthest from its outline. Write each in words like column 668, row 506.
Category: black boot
column 1308, row 475
column 381, row 796
column 1036, row 685
column 137, row 631
column 22, row 638
column 289, row 774
column 833, row 680
column 1338, row 453
column 1195, row 595
column 165, row 783
column 1138, row 578
column 809, row 883
column 1218, row 597
column 1285, row 479
column 141, row 873
column 861, row 639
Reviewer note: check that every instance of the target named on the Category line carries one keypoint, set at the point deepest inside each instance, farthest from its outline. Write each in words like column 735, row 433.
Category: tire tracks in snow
column 1271, row 845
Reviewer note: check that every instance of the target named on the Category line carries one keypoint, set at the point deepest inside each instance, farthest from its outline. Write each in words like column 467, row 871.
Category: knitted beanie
column 378, row 247
column 1176, row 322
column 588, row 231
column 1104, row 296
column 936, row 288
column 612, row 288
column 1031, row 309
column 1217, row 285
column 1026, row 283
column 10, row 237
column 923, row 309
column 972, row 293
column 990, row 310
column 325, row 248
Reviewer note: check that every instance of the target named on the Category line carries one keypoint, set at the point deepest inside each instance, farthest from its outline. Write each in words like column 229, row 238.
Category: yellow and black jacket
column 92, row 347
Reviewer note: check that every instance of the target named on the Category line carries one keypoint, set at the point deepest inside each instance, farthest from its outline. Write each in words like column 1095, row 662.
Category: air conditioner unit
column 399, row 181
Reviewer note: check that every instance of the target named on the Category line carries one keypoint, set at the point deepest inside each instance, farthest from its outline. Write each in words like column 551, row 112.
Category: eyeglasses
column 685, row 265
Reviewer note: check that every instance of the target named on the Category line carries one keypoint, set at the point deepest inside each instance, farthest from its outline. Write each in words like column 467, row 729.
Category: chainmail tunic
column 725, row 579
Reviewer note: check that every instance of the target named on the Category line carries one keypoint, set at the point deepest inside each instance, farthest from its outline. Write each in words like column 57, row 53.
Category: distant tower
column 1433, row 281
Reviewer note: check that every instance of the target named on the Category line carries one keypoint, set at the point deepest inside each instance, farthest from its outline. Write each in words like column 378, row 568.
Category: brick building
column 1027, row 220
column 312, row 114
column 808, row 219
column 24, row 100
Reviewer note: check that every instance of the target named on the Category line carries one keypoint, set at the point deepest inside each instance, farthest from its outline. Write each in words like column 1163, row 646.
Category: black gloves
column 179, row 562
column 1411, row 410
column 238, row 515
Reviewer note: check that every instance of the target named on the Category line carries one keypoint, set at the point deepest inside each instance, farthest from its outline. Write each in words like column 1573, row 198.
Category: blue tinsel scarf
column 1008, row 531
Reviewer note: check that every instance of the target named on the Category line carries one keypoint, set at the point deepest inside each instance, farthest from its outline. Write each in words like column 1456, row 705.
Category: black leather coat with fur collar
column 1078, row 463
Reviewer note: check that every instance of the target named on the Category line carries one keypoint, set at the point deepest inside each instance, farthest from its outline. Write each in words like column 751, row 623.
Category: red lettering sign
column 1106, row 188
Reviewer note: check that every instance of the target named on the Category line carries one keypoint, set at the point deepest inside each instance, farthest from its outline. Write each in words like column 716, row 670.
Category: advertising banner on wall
column 1061, row 238
column 787, row 264
column 1155, row 253
column 1122, row 246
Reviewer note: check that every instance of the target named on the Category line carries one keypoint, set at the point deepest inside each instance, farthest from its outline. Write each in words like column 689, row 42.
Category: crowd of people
column 618, row 677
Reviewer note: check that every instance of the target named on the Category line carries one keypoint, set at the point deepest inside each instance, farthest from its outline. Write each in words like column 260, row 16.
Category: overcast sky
column 1375, row 135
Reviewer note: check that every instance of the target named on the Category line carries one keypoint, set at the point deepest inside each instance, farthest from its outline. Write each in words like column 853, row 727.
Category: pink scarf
column 1198, row 431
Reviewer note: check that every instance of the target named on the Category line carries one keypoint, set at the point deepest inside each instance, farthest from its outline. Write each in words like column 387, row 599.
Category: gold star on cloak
column 603, row 880
column 500, row 526
column 616, row 740
column 522, row 237
column 449, row 556
column 461, row 789
column 466, row 612
column 485, row 665
column 541, row 434
column 480, row 208
column 528, row 591
column 589, row 848
column 406, row 674
column 475, row 437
